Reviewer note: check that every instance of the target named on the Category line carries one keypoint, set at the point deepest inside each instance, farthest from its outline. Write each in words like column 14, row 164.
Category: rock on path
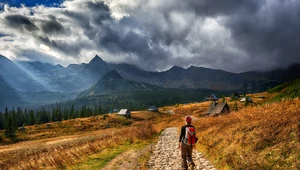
column 166, row 155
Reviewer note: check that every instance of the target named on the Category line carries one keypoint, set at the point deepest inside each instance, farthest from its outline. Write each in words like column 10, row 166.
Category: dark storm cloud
column 101, row 29
column 21, row 23
column 71, row 48
column 52, row 26
column 273, row 33
column 221, row 7
column 150, row 56
column 236, row 35
column 267, row 31
column 91, row 22
column 33, row 55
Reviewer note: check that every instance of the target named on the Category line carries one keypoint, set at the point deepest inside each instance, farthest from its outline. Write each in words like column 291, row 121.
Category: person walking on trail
column 187, row 142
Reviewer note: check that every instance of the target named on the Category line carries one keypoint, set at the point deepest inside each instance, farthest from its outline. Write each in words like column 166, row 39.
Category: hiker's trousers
column 186, row 153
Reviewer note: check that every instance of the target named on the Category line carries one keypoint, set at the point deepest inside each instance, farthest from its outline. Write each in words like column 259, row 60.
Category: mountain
column 17, row 78
column 79, row 77
column 113, row 82
column 132, row 72
column 113, row 90
column 262, row 81
column 205, row 78
column 54, row 77
column 92, row 72
column 190, row 78
column 42, row 83
column 198, row 77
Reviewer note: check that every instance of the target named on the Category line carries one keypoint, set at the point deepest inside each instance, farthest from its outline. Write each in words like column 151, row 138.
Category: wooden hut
column 246, row 98
column 211, row 97
column 216, row 109
column 124, row 112
column 153, row 109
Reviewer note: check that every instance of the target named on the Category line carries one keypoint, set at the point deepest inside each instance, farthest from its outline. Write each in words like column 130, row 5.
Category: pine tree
column 235, row 106
column 1, row 121
column 99, row 110
column 10, row 128
column 26, row 117
column 20, row 117
column 72, row 112
column 31, row 118
column 246, row 102
column 59, row 114
column 14, row 117
column 66, row 114
column 54, row 115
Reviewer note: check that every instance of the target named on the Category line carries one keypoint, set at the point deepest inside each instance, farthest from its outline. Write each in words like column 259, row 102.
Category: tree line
column 13, row 118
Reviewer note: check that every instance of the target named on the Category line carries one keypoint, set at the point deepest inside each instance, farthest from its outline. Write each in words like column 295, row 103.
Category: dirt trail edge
column 166, row 155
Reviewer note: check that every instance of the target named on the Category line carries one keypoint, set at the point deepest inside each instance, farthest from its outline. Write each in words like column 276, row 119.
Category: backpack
column 190, row 135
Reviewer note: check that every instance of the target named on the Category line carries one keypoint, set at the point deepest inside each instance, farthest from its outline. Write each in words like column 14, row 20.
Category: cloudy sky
column 235, row 35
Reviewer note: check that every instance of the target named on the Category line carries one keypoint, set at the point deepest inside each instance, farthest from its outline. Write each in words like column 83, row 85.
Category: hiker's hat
column 188, row 119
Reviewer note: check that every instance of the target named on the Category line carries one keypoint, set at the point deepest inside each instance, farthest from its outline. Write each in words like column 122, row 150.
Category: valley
column 70, row 143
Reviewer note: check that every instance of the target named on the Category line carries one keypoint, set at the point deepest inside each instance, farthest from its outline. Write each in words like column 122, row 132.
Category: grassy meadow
column 259, row 136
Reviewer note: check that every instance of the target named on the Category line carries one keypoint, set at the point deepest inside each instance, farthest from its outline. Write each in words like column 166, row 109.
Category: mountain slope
column 8, row 96
column 286, row 90
column 17, row 78
column 54, row 77
column 113, row 82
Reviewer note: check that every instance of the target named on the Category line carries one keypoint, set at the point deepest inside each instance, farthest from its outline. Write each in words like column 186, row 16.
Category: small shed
column 212, row 97
column 153, row 108
column 124, row 112
column 246, row 98
column 216, row 109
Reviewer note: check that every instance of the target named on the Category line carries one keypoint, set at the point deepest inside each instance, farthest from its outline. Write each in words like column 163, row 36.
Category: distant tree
column 1, row 121
column 10, row 126
column 76, row 114
column 235, row 106
column 45, row 116
column 31, row 120
column 72, row 112
column 14, row 117
column 54, row 115
column 223, row 99
column 38, row 117
column 20, row 117
column 246, row 102
column 26, row 117
column 66, row 114
column 59, row 114
column 5, row 117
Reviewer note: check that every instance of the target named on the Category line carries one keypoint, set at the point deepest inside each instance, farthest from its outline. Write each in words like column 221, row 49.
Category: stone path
column 166, row 155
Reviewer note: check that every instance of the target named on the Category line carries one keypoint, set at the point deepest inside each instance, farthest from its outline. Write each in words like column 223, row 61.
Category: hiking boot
column 191, row 164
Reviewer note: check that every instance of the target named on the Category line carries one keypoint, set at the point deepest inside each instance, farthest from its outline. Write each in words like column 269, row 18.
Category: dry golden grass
column 262, row 137
column 63, row 144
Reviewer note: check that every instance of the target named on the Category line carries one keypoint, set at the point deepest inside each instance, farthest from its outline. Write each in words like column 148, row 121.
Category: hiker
column 187, row 142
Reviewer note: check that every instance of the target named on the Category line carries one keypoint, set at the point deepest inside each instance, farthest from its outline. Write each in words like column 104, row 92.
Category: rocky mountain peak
column 97, row 60
column 175, row 67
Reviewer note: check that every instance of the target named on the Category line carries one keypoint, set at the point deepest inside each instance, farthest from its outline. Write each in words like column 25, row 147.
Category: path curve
column 166, row 155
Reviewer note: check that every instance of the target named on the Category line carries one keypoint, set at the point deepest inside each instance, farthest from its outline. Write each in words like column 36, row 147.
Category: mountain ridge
column 79, row 78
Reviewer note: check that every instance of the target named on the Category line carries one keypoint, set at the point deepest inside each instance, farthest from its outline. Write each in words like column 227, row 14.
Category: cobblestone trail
column 166, row 155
